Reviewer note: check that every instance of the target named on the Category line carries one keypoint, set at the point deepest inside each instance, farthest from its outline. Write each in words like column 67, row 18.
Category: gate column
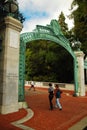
column 9, row 64
column 81, row 82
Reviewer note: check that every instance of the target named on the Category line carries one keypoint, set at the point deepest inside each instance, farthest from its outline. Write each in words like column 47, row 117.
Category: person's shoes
column 60, row 109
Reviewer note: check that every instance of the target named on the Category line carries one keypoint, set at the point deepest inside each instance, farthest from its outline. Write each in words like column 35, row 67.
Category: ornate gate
column 50, row 32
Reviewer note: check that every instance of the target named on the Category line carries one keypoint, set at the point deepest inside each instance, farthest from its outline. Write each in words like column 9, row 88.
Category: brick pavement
column 74, row 110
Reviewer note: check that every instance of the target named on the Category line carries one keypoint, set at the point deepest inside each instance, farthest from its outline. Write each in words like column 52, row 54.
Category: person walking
column 32, row 86
column 57, row 93
column 51, row 95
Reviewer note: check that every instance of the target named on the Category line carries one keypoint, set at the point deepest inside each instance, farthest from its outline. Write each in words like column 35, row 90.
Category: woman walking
column 57, row 93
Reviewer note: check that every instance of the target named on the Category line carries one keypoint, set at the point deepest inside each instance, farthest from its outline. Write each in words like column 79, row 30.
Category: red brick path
column 74, row 109
column 5, row 120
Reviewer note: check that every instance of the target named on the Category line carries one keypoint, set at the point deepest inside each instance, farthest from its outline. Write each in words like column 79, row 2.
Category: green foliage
column 80, row 21
column 46, row 61
column 64, row 26
column 80, row 24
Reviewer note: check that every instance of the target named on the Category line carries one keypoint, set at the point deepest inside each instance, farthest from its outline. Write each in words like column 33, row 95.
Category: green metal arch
column 43, row 36
column 50, row 32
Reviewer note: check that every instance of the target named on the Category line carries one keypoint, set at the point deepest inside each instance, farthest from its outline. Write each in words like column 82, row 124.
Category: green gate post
column 75, row 77
column 21, row 92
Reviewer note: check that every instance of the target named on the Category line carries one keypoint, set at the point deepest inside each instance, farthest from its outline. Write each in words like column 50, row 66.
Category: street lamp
column 10, row 6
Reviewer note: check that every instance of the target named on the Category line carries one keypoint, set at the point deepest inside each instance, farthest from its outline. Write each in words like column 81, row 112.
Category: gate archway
column 50, row 32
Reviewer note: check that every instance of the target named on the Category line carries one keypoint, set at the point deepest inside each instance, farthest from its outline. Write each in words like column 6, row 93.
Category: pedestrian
column 51, row 95
column 57, row 93
column 32, row 86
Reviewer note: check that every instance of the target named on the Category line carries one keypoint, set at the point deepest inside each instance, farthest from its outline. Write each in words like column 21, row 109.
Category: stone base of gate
column 23, row 105
column 5, row 109
column 81, row 94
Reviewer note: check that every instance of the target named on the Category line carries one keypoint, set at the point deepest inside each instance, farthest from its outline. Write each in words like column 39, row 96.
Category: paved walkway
column 72, row 117
column 81, row 125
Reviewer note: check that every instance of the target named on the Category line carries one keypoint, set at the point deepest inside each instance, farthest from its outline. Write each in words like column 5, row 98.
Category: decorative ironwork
column 21, row 71
column 50, row 32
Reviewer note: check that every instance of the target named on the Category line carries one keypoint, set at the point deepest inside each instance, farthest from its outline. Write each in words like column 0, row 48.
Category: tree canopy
column 80, row 22
column 47, row 61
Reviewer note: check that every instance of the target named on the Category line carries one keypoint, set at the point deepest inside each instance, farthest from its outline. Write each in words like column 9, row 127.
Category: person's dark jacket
column 58, row 93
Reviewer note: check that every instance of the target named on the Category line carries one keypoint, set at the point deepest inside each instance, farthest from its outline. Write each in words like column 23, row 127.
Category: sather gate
column 11, row 77
column 50, row 32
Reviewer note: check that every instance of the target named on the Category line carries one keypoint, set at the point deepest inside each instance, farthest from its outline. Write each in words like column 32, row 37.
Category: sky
column 41, row 12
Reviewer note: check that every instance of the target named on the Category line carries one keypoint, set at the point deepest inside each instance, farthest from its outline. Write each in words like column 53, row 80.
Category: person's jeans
column 58, row 103
column 50, row 100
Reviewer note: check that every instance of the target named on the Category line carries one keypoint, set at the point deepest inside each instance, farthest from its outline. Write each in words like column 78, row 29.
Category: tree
column 64, row 55
column 80, row 22
column 63, row 24
column 64, row 28
column 39, row 61
column 46, row 61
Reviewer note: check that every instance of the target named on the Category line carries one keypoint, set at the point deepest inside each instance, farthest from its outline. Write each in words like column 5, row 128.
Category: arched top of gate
column 50, row 32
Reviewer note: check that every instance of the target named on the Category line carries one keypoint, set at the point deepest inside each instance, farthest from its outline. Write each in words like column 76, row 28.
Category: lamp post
column 10, row 6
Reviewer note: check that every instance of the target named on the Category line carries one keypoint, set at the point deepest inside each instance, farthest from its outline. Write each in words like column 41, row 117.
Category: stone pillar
column 81, row 82
column 9, row 65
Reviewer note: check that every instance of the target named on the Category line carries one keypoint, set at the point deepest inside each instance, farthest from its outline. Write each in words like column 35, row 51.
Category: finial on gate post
column 76, row 44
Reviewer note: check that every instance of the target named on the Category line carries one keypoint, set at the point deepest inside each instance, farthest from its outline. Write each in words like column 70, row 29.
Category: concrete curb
column 81, row 125
column 28, row 117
